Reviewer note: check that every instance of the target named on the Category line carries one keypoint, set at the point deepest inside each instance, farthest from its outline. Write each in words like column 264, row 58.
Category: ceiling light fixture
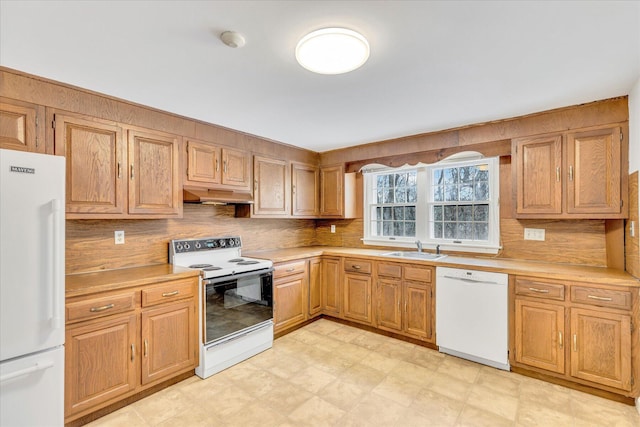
column 332, row 51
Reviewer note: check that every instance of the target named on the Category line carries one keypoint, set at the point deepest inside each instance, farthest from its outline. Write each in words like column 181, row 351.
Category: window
column 453, row 203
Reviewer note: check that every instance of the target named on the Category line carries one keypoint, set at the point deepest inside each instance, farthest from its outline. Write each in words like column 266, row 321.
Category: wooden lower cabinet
column 290, row 283
column 357, row 297
column 405, row 300
column 330, row 286
column 100, row 362
column 539, row 336
column 315, row 287
column 601, row 347
column 120, row 343
column 168, row 344
column 596, row 350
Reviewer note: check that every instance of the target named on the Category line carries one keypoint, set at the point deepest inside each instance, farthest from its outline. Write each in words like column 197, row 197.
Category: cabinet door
column 539, row 335
column 537, row 175
column 357, row 297
column 389, row 313
column 315, row 289
column 331, row 191
column 271, row 191
column 305, row 187
column 101, row 362
column 96, row 164
column 330, row 283
column 235, row 169
column 593, row 171
column 601, row 347
column 418, row 310
column 168, row 340
column 19, row 128
column 154, row 179
column 203, row 163
column 289, row 302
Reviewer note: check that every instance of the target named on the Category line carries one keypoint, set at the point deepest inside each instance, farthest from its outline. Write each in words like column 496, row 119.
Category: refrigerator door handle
column 56, row 319
column 39, row 366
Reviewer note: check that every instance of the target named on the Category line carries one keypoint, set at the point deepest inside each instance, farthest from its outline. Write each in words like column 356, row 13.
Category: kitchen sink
column 414, row 255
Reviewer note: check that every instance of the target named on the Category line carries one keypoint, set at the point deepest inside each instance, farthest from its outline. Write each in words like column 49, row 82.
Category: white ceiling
column 433, row 65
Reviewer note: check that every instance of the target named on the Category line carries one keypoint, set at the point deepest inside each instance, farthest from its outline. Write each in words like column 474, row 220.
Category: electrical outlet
column 534, row 234
column 333, row 228
column 632, row 229
column 118, row 236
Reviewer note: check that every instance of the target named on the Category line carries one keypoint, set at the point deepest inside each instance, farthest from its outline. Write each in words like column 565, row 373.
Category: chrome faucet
column 419, row 244
column 437, row 249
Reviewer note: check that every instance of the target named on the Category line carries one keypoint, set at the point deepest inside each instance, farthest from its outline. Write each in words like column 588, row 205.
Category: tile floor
column 328, row 374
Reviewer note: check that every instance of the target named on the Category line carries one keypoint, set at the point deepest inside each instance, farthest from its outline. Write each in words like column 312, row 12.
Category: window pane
column 466, row 192
column 401, row 195
column 449, row 230
column 378, row 213
column 437, row 230
column 410, row 229
column 412, row 195
column 482, row 175
column 438, row 194
column 387, row 213
column 482, row 191
column 401, row 180
column 387, row 228
column 437, row 176
column 481, row 231
column 437, row 213
column 465, row 231
column 380, row 196
column 398, row 212
column 398, row 228
column 467, row 174
column 451, row 193
column 481, row 213
column 410, row 213
column 451, row 176
column 388, row 196
column 465, row 213
column 449, row 213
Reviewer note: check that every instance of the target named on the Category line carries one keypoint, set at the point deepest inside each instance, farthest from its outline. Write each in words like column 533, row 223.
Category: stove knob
column 178, row 247
column 198, row 245
column 222, row 243
column 236, row 242
column 187, row 246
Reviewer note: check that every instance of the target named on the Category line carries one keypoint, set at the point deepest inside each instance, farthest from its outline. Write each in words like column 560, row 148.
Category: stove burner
column 200, row 265
column 247, row 262
column 236, row 260
column 212, row 268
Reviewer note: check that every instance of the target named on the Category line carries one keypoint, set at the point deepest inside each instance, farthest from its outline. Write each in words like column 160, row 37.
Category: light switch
column 534, row 234
column 119, row 237
column 333, row 228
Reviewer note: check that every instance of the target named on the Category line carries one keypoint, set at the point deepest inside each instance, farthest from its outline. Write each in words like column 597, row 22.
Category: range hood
column 215, row 197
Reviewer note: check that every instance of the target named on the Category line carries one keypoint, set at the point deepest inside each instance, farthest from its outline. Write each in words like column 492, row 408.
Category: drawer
column 601, row 297
column 289, row 269
column 355, row 265
column 538, row 289
column 100, row 306
column 417, row 274
column 389, row 270
column 168, row 292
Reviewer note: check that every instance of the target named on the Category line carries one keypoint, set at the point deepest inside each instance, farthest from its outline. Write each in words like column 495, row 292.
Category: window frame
column 424, row 203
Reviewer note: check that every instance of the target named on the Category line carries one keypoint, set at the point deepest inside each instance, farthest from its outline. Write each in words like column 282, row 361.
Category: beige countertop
column 547, row 270
column 100, row 281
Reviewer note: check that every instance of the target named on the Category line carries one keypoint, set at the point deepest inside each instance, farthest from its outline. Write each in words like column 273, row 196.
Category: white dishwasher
column 472, row 315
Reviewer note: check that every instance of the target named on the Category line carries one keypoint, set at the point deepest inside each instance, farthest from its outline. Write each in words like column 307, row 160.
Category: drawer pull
column 600, row 298
column 170, row 294
column 289, row 270
column 356, row 267
column 146, row 348
column 541, row 291
column 575, row 342
column 133, row 352
column 102, row 308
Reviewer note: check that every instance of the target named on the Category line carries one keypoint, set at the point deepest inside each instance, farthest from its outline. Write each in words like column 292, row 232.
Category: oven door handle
column 215, row 280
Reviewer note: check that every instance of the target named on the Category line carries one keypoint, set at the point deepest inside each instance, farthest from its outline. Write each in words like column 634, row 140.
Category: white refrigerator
column 32, row 230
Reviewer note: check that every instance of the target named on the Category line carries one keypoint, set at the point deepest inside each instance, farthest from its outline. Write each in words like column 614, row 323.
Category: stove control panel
column 208, row 244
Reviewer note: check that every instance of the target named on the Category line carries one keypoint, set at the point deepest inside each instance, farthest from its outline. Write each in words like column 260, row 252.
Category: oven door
column 235, row 303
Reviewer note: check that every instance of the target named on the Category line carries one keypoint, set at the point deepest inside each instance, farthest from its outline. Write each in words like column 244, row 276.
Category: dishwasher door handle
column 470, row 280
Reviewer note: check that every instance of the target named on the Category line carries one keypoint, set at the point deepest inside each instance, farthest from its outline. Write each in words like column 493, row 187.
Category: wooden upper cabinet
column 331, row 191
column 154, row 177
column 537, row 168
column 110, row 177
column 571, row 175
column 19, row 128
column 96, row 164
column 236, row 170
column 271, row 189
column 203, row 163
column 305, row 188
column 593, row 167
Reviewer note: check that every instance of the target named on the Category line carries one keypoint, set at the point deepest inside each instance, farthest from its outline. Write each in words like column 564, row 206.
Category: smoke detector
column 232, row 39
